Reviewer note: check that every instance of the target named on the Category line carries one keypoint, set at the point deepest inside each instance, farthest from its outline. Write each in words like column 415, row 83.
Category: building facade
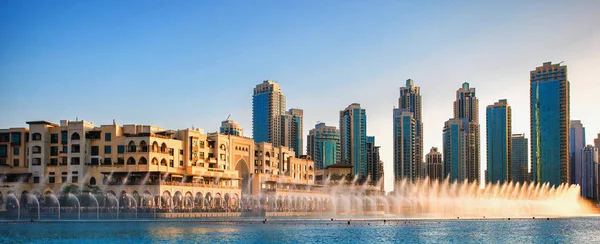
column 229, row 127
column 589, row 172
column 406, row 163
column 434, row 165
column 410, row 100
column 520, row 158
column 455, row 140
column 353, row 136
column 466, row 107
column 373, row 160
column 499, row 143
column 323, row 145
column 550, row 144
column 166, row 169
column 577, row 143
column 292, row 130
column 268, row 106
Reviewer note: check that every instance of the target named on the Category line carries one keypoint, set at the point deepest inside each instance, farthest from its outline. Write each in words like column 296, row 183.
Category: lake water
column 565, row 230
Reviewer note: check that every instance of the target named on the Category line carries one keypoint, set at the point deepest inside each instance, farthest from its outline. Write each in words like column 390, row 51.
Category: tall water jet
column 111, row 196
column 130, row 197
column 37, row 202
column 97, row 205
column 51, row 195
column 12, row 195
column 69, row 196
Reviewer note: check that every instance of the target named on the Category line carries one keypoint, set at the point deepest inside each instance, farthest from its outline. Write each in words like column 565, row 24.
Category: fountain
column 111, row 196
column 130, row 197
column 69, row 196
column 12, row 195
column 30, row 196
column 51, row 195
column 97, row 205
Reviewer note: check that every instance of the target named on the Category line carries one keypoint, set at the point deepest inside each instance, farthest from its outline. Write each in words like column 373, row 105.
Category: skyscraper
column 291, row 130
column 549, row 105
column 323, row 145
column 519, row 158
column 405, row 162
column 373, row 160
column 455, row 139
column 597, row 142
column 589, row 172
column 268, row 106
column 577, row 143
column 410, row 100
column 353, row 134
column 466, row 107
column 433, row 165
column 499, row 138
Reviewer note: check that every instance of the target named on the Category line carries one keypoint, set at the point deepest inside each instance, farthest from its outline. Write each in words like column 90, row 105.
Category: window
column 63, row 179
column 36, row 137
column 15, row 138
column 3, row 152
column 36, row 179
column 107, row 149
column 171, row 151
column 180, row 151
column 180, row 163
column 54, row 151
column 107, row 161
column 95, row 150
column 36, row 149
column 63, row 161
column 63, row 137
column 93, row 181
column 120, row 149
column 201, row 155
column 74, row 179
column 201, row 144
column 75, row 161
column 53, row 161
column 64, row 149
column 51, row 180
column 120, row 161
column 16, row 151
column 53, row 138
column 75, row 136
column 36, row 161
column 75, row 148
column 16, row 162
column 107, row 137
column 171, row 163
column 94, row 161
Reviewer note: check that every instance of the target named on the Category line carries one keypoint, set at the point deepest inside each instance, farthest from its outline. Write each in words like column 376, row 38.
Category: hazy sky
column 184, row 63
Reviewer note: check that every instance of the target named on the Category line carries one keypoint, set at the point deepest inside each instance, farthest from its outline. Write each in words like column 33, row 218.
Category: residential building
column 406, row 163
column 373, row 160
column 550, row 144
column 268, row 106
column 455, row 140
column 353, row 136
column 229, row 127
column 410, row 100
column 292, row 130
column 466, row 107
column 589, row 172
column 499, row 143
column 519, row 158
column 434, row 165
column 323, row 145
column 576, row 145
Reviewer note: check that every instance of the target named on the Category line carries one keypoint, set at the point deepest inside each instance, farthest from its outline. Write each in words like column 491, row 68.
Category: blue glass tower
column 549, row 95
column 405, row 162
column 323, row 145
column 353, row 135
column 268, row 105
column 455, row 139
column 499, row 142
column 519, row 158
column 410, row 102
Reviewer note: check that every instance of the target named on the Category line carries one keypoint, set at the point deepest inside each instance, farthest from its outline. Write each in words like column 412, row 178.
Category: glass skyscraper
column 353, row 134
column 577, row 143
column 373, row 160
column 466, row 107
column 408, row 145
column 499, row 137
column 549, row 95
column 292, row 132
column 268, row 106
column 405, row 162
column 323, row 145
column 519, row 158
column 455, row 140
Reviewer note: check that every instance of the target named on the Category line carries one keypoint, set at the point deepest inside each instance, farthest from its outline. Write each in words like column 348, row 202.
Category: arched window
column 163, row 148
column 143, row 146
column 75, row 136
column 130, row 161
column 93, row 181
column 154, row 161
column 143, row 161
column 163, row 162
column 131, row 146
column 36, row 137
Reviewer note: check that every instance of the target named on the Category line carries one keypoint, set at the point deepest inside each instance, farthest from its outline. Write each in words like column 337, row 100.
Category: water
column 565, row 230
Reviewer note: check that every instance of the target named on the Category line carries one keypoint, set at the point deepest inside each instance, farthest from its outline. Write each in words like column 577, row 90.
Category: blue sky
column 184, row 63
